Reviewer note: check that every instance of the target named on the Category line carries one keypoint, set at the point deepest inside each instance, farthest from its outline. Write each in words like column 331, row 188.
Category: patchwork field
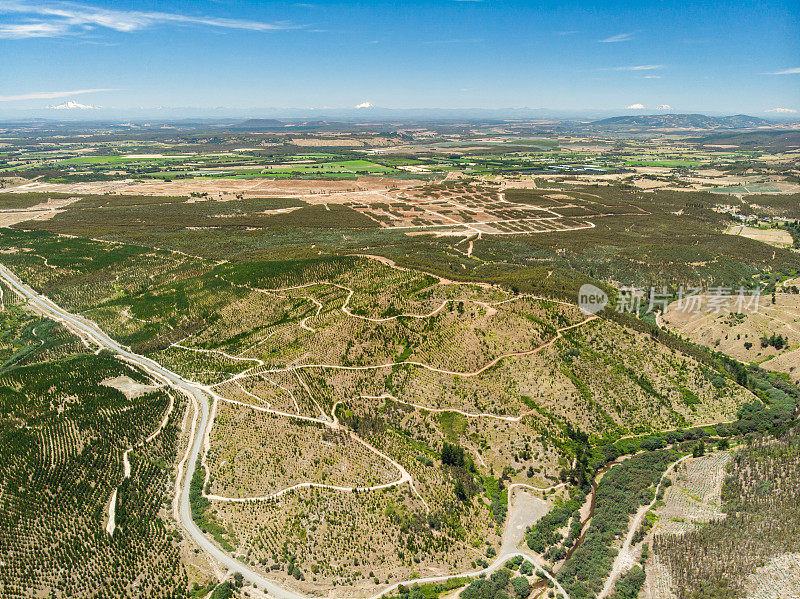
column 448, row 209
column 756, row 188
column 469, row 210
column 394, row 360
column 320, row 358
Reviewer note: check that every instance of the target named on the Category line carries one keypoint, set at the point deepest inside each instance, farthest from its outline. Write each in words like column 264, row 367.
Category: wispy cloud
column 51, row 95
column 640, row 67
column 621, row 37
column 471, row 40
column 64, row 18
column 664, row 107
column 792, row 71
column 652, row 76
column 635, row 107
column 781, row 110
column 25, row 30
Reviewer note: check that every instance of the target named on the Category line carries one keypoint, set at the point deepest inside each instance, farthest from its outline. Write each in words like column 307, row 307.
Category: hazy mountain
column 684, row 121
column 255, row 124
column 775, row 140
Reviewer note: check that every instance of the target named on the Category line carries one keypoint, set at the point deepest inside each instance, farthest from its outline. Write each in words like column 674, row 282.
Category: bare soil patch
column 43, row 211
column 777, row 237
column 129, row 387
column 216, row 187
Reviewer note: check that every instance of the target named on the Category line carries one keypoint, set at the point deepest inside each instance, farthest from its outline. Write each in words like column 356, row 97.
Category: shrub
column 522, row 587
column 223, row 591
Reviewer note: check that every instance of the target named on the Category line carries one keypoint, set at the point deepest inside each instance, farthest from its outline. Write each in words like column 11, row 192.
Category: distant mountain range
column 387, row 120
column 684, row 121
column 255, row 124
column 616, row 123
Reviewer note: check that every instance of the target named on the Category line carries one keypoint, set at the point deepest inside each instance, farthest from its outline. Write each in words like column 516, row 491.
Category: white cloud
column 641, row 67
column 73, row 105
column 652, row 76
column 621, row 37
column 664, row 107
column 50, row 20
column 792, row 71
column 636, row 107
column 25, row 30
column 51, row 95
column 364, row 105
column 781, row 110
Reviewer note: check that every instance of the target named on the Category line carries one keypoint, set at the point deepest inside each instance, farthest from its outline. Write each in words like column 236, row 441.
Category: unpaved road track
column 625, row 558
column 85, row 328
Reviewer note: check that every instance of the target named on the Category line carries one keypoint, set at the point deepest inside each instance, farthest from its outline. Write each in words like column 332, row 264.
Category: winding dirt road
column 200, row 394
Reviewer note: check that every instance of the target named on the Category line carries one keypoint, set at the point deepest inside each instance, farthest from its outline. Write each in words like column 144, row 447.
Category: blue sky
column 721, row 57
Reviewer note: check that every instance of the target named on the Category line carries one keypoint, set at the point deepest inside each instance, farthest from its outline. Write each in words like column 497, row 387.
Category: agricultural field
column 740, row 554
column 348, row 362
column 70, row 165
column 85, row 468
column 545, row 239
column 253, row 151
column 776, row 237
